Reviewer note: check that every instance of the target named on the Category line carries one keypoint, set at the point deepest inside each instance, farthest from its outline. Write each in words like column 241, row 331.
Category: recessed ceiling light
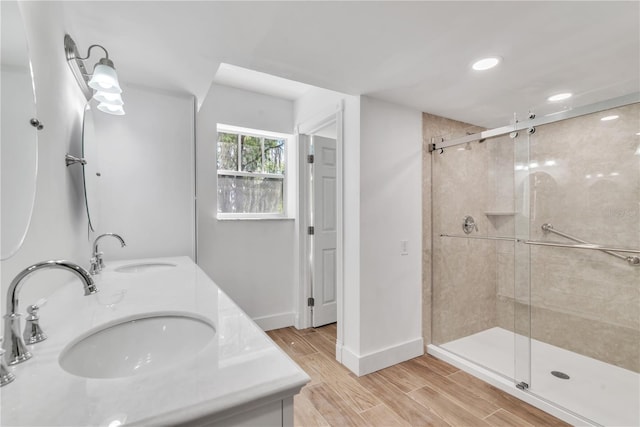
column 607, row 118
column 638, row 133
column 559, row 97
column 486, row 63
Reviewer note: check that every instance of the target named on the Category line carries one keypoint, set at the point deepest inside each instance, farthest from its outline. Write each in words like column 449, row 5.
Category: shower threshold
column 596, row 393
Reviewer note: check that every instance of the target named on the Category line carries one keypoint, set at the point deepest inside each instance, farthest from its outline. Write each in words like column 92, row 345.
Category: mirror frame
column 90, row 168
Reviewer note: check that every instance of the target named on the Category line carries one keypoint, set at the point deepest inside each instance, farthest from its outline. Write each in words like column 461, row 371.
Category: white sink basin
column 137, row 345
column 144, row 267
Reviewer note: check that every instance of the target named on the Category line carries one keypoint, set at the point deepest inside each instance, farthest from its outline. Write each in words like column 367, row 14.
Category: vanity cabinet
column 273, row 414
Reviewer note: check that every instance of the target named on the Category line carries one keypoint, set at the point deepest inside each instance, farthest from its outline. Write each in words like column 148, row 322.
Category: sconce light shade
column 104, row 78
column 116, row 110
column 108, row 98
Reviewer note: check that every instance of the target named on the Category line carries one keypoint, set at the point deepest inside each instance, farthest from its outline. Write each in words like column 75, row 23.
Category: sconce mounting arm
column 89, row 51
column 77, row 66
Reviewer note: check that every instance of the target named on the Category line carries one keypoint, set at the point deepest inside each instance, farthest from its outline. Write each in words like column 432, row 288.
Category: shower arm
column 548, row 228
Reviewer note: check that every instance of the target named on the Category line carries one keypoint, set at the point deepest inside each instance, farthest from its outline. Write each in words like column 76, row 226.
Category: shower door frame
column 535, row 121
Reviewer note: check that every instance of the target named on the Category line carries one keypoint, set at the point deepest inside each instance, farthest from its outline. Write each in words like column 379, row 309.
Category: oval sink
column 139, row 345
column 144, row 267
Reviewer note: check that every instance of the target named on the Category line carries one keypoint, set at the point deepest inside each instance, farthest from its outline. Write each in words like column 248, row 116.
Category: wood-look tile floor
column 423, row 391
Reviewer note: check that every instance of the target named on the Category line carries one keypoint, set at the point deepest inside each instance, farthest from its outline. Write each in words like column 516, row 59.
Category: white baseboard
column 275, row 321
column 368, row 363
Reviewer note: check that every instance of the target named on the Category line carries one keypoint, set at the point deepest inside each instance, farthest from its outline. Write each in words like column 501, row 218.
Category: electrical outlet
column 404, row 244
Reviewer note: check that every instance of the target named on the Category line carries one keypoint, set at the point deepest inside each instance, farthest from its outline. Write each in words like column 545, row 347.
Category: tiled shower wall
column 467, row 303
column 583, row 176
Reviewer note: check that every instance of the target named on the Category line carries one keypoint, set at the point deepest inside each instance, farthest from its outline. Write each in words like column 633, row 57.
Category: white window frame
column 225, row 172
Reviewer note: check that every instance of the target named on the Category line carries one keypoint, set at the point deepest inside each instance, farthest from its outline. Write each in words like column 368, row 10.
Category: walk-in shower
column 542, row 295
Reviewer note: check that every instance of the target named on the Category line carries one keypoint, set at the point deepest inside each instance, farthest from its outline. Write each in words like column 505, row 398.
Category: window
column 252, row 168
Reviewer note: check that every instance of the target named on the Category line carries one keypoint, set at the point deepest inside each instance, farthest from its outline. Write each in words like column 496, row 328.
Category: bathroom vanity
column 159, row 344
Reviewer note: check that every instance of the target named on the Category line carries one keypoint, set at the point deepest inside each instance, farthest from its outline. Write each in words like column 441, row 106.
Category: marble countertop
column 239, row 369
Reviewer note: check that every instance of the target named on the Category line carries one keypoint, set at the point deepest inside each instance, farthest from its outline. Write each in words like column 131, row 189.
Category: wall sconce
column 102, row 85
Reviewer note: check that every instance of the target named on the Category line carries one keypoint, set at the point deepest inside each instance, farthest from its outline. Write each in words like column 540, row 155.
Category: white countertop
column 241, row 366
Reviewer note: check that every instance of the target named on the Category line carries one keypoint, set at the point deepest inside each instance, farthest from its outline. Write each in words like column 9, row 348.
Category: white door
column 323, row 276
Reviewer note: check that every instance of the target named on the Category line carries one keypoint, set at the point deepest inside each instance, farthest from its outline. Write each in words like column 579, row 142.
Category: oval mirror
column 91, row 169
column 18, row 138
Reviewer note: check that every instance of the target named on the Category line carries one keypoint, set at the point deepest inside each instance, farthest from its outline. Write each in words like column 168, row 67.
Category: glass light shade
column 105, row 79
column 116, row 110
column 108, row 98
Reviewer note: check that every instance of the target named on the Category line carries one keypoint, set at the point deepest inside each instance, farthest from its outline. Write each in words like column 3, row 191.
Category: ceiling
column 414, row 53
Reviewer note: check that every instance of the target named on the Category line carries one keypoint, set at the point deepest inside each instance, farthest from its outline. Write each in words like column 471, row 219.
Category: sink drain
column 560, row 375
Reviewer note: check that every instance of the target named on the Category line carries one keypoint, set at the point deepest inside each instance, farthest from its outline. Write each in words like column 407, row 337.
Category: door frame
column 333, row 114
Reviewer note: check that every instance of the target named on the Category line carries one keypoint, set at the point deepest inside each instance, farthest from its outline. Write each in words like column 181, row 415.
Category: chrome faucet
column 97, row 263
column 13, row 344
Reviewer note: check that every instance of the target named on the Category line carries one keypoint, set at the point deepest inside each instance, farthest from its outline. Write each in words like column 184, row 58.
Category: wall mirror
column 18, row 139
column 90, row 169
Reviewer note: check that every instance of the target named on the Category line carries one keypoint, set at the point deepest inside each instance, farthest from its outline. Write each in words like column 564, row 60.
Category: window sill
column 254, row 218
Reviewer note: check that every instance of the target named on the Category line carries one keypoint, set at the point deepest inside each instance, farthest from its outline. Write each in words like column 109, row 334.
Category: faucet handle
column 95, row 264
column 33, row 308
column 33, row 333
column 100, row 260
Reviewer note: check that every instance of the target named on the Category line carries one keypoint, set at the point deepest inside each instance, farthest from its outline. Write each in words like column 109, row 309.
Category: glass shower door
column 577, row 308
column 475, row 304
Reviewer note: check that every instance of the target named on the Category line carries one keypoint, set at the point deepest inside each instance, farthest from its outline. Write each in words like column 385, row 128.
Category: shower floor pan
column 603, row 393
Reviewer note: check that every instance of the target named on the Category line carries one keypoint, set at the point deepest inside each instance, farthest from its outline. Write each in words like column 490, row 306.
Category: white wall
column 390, row 211
column 146, row 191
column 253, row 261
column 59, row 225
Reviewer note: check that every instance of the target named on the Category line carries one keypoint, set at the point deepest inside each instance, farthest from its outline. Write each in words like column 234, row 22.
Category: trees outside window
column 251, row 168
